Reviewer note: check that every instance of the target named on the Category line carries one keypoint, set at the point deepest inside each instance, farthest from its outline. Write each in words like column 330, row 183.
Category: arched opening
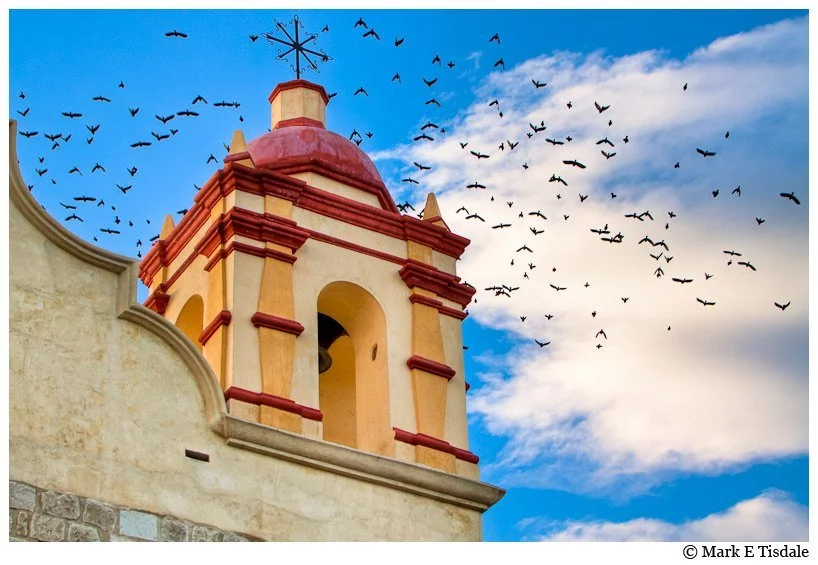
column 354, row 388
column 191, row 319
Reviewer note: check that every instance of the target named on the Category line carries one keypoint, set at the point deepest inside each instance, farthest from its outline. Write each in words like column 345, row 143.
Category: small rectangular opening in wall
column 197, row 455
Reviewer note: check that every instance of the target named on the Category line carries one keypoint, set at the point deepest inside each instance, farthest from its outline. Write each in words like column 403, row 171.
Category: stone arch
column 191, row 319
column 354, row 391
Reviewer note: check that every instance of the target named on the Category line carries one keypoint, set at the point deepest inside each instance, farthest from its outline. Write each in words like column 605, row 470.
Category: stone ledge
column 407, row 477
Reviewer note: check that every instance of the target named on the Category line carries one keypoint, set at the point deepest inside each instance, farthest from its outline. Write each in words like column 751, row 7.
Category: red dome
column 300, row 147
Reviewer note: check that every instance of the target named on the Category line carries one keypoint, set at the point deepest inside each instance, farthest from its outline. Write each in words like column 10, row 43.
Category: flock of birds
column 82, row 123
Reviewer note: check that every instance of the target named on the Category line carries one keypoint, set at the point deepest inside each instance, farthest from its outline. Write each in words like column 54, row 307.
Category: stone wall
column 37, row 514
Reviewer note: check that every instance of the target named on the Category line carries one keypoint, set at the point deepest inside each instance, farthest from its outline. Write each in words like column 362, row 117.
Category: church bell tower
column 323, row 311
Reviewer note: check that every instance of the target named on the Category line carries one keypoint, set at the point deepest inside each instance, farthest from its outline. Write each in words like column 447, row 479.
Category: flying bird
column 782, row 306
column 601, row 108
column 705, row 302
column 790, row 196
column 574, row 163
column 541, row 343
column 71, row 115
column 175, row 33
column 372, row 33
column 704, row 153
column 538, row 84
column 100, row 99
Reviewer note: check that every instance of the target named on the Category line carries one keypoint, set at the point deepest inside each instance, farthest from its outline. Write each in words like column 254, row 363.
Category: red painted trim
column 236, row 176
column 429, row 366
column 420, row 275
column 438, row 305
column 238, row 157
column 298, row 83
column 222, row 319
column 250, row 250
column 262, row 320
column 300, row 121
column 435, row 443
column 158, row 300
column 318, row 236
column 264, row 399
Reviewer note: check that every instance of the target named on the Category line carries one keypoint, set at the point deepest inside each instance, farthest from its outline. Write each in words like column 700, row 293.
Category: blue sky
column 697, row 432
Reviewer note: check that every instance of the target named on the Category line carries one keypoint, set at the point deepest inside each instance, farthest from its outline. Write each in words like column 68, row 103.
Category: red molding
column 318, row 236
column 438, row 305
column 298, row 83
column 222, row 319
column 264, row 399
column 429, row 366
column 236, row 176
column 237, row 157
column 158, row 300
column 262, row 320
column 300, row 121
column 448, row 286
column 250, row 250
column 435, row 443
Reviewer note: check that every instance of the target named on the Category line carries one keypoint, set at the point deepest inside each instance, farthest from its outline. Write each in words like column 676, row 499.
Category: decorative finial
column 298, row 46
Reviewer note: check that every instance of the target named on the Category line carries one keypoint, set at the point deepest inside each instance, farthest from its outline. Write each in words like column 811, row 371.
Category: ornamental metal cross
column 298, row 46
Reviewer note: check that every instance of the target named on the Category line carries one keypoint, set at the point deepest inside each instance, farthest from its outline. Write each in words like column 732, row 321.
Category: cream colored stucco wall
column 335, row 187
column 104, row 408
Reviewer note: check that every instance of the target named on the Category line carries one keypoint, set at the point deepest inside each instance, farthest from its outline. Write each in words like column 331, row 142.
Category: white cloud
column 770, row 517
column 728, row 384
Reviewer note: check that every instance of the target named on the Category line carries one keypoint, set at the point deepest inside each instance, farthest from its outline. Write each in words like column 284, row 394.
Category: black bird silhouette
column 410, row 179
column 554, row 141
column 747, row 264
column 500, row 63
column 790, row 196
column 423, row 136
column 607, row 155
column 782, row 306
column 399, row 41
column 705, row 302
column 555, row 178
column 100, row 99
column 132, row 171
column 110, row 231
column 501, row 226
column 683, row 281
column 187, row 113
column 582, row 198
column 93, row 129
column 421, row 167
column 574, row 163
column 538, row 84
column 760, row 221
column 25, row 112
column 475, row 216
column 684, row 87
column 253, row 38
column 625, row 139
column 175, row 33
column 361, row 91
column 360, row 22
column 732, row 253
column 704, row 153
column 41, row 172
column 68, row 206
column 199, row 98
column 165, row 119
column 727, row 134
column 98, row 167
column 74, row 217
column 28, row 134
column 479, row 155
column 211, row 158
column 71, row 115
column 141, row 144
column 538, row 128
column 430, row 82
column 605, row 140
column 715, row 193
column 601, row 108
column 159, row 137
column 541, row 343
column 525, row 248
column 475, row 184
column 495, row 37
column 437, row 60
column 85, row 198
column 707, row 276
column 372, row 33
column 557, row 288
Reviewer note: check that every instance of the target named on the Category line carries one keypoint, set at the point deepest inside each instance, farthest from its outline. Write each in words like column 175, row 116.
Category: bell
column 329, row 330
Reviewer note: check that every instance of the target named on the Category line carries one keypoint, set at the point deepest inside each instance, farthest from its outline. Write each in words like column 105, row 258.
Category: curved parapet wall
column 110, row 402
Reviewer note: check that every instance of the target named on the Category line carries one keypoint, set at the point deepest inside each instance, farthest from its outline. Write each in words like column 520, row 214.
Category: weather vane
column 298, row 46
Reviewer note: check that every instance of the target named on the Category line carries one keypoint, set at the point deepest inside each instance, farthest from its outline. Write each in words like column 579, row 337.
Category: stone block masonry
column 37, row 514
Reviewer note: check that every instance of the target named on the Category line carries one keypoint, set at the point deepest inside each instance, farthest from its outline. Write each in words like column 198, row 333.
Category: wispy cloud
column 725, row 385
column 771, row 516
